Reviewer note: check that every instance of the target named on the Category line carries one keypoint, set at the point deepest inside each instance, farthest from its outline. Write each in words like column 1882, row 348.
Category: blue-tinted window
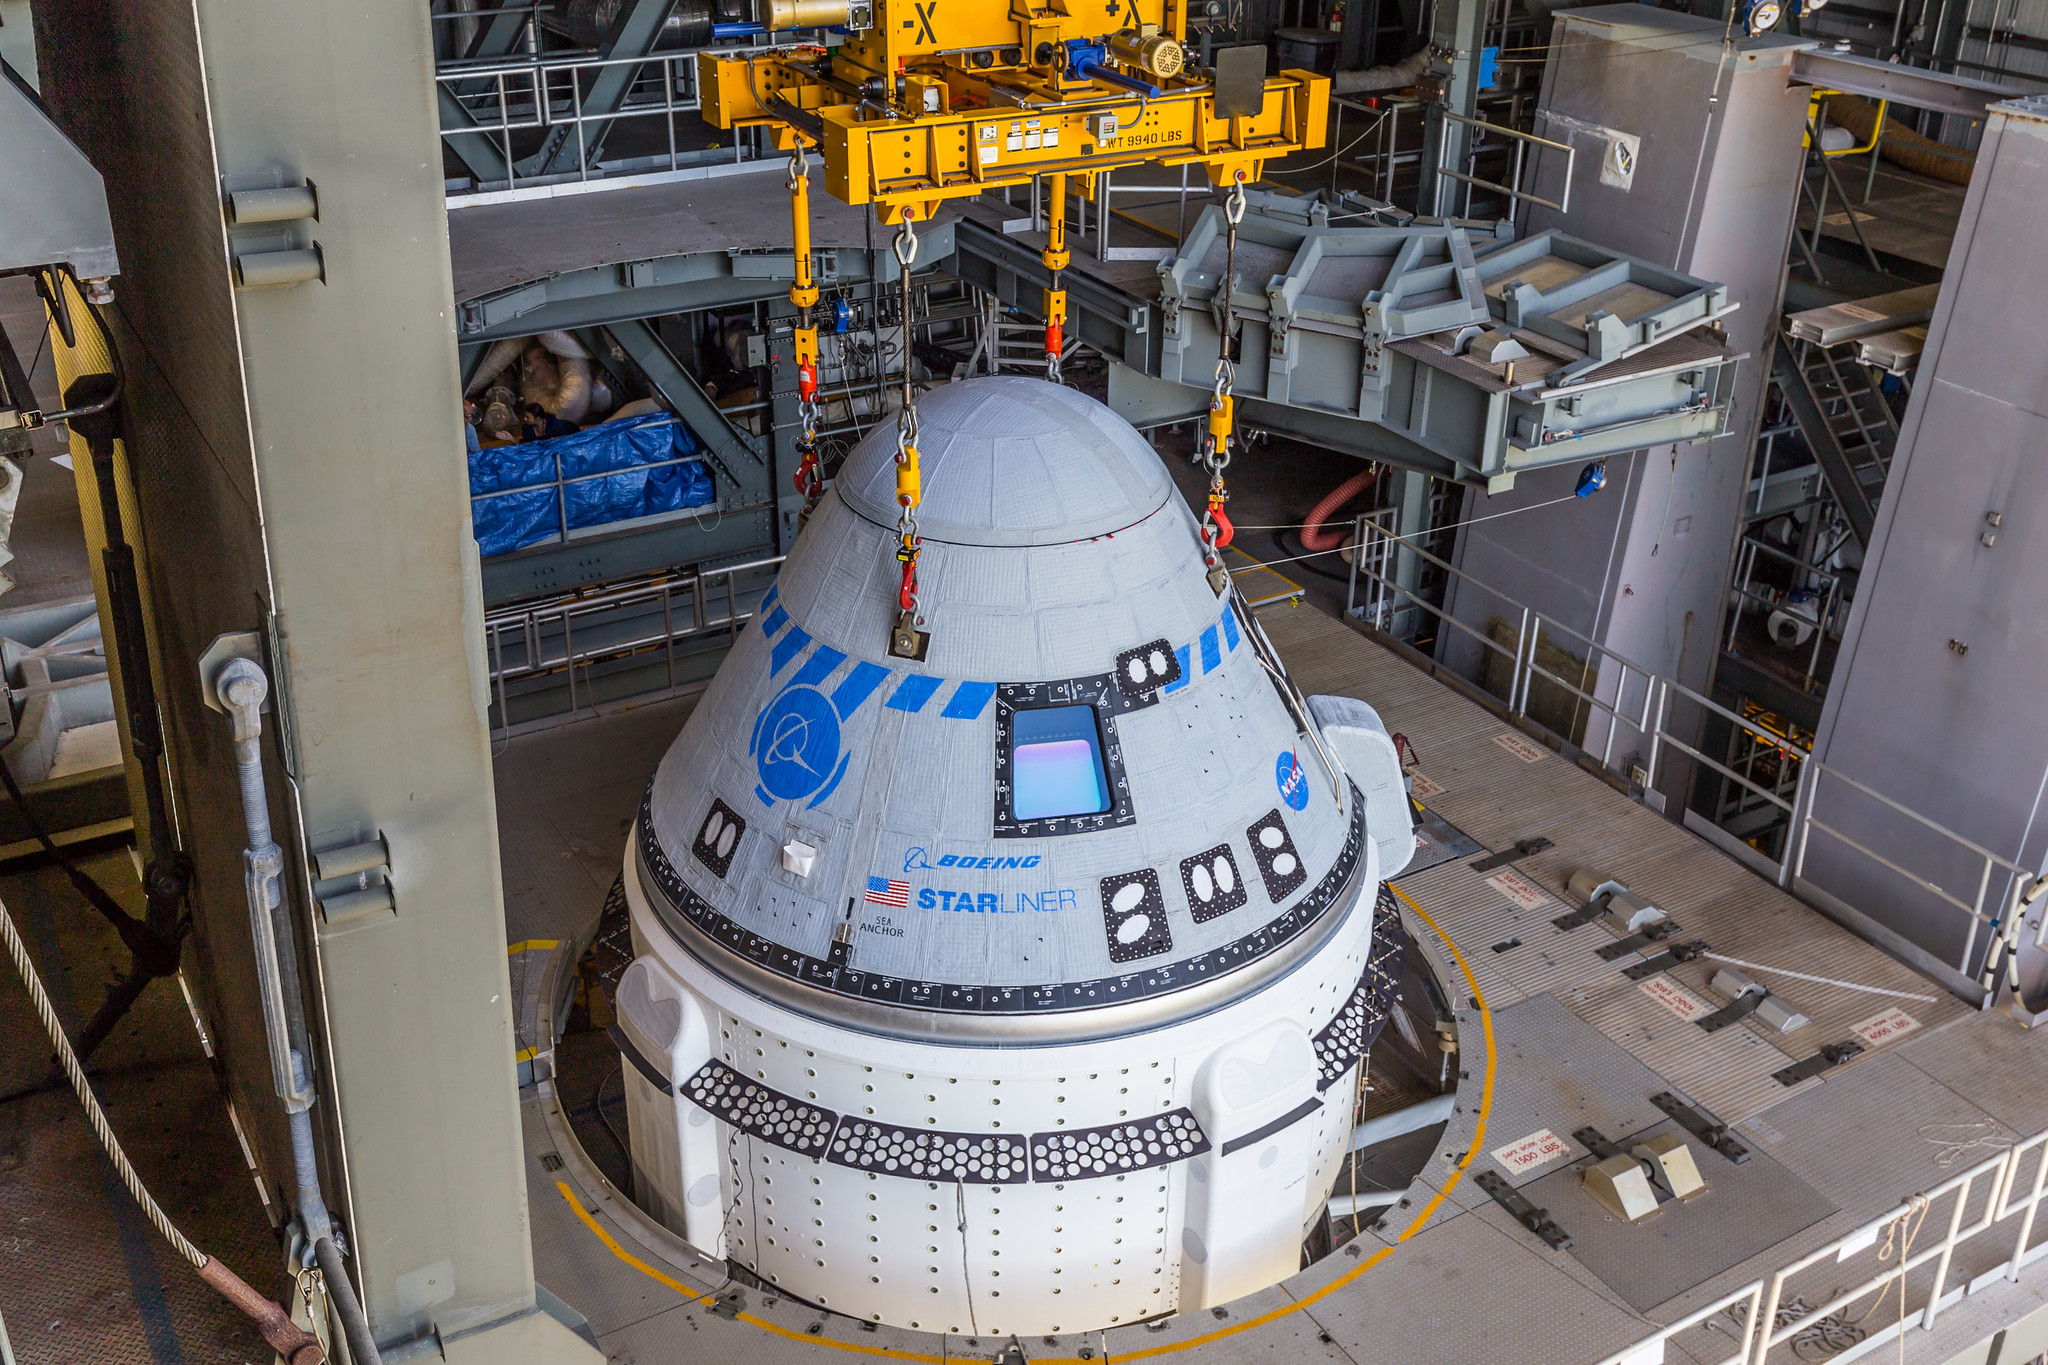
column 1056, row 766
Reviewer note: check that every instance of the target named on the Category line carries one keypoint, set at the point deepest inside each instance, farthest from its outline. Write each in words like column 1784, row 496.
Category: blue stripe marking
column 856, row 686
column 1230, row 627
column 818, row 667
column 1185, row 675
column 969, row 700
column 787, row 648
column 913, row 692
column 1212, row 652
column 768, row 598
column 774, row 621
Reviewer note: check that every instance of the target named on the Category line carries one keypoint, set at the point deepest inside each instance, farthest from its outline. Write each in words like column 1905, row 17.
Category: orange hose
column 1313, row 537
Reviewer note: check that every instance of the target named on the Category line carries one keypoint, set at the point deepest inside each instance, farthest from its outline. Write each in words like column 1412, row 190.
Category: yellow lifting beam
column 946, row 101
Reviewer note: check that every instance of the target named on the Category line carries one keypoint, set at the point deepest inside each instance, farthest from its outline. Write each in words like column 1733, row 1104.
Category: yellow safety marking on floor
column 1249, row 571
column 1166, row 1348
column 706, row 1300
column 526, row 1054
column 532, row 945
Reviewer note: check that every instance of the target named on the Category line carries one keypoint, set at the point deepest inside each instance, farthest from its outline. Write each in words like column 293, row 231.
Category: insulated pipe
column 1344, row 1205
column 1410, row 1120
column 502, row 353
column 568, row 397
column 1312, row 536
column 1400, row 75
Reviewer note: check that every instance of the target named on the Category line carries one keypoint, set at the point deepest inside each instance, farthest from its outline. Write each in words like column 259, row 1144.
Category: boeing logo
column 919, row 860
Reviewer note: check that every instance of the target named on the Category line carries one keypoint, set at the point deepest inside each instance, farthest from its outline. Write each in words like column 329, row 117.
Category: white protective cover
column 1354, row 730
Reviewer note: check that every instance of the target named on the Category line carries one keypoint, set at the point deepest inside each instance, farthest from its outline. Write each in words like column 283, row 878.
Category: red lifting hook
column 1224, row 530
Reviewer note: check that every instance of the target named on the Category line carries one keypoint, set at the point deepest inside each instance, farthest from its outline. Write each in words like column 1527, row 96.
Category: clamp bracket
column 1656, row 932
column 1536, row 1220
column 1735, row 1011
column 1666, row 960
column 1827, row 1059
column 1587, row 913
column 1702, row 1126
column 1521, row 849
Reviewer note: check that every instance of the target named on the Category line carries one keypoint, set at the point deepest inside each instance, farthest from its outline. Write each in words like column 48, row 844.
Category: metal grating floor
column 1574, row 1042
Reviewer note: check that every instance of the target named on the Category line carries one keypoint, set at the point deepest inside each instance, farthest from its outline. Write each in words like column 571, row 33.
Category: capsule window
column 1056, row 763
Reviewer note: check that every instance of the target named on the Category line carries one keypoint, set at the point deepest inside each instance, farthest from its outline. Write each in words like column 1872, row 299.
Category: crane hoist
column 921, row 101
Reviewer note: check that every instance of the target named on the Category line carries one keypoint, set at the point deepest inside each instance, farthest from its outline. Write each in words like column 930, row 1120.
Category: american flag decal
column 887, row 891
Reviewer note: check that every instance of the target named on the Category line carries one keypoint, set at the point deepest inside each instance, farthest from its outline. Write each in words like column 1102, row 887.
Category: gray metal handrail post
column 1357, row 553
column 1802, row 811
column 1521, row 647
column 1663, row 691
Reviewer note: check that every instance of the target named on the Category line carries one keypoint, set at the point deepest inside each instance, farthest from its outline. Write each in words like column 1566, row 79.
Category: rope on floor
column 290, row 1341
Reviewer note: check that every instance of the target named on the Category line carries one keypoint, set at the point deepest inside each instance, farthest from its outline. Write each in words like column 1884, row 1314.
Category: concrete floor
column 83, row 1277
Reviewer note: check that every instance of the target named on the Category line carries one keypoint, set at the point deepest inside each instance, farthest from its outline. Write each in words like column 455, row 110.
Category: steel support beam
column 477, row 151
column 739, row 456
column 605, row 294
column 1454, row 69
column 632, row 34
column 1123, row 326
column 1909, row 85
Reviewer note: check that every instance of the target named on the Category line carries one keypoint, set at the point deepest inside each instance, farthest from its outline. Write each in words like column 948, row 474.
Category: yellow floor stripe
column 532, row 945
column 1166, row 1348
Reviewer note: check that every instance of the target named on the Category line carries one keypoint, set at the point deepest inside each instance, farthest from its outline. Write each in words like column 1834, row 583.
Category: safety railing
column 534, row 92
column 1634, row 707
column 567, row 634
column 1916, row 1261
column 1516, row 195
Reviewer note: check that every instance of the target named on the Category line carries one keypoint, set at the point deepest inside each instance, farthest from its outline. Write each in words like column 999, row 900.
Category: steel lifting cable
column 1216, row 532
column 904, row 641
column 294, row 1344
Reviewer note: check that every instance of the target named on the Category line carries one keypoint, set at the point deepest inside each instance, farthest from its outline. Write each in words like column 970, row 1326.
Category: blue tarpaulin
column 604, row 471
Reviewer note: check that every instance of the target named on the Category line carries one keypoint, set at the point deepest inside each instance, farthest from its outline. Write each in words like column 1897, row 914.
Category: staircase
column 1846, row 422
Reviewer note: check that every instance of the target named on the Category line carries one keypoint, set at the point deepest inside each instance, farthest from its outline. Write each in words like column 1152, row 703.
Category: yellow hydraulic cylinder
column 803, row 290
column 1055, row 258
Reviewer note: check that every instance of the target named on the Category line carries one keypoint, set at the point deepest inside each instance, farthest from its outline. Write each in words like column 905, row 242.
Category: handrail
column 544, row 633
column 547, row 91
column 1384, row 598
column 1514, row 192
column 1895, row 1244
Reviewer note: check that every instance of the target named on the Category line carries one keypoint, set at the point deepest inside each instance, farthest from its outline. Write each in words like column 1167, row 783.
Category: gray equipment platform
column 1553, row 1038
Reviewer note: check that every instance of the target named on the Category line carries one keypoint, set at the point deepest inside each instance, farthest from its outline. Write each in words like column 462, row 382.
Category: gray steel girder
column 606, row 294
column 632, row 34
column 1910, row 85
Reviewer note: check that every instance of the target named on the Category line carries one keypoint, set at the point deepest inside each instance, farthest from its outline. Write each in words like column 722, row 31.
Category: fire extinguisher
column 1337, row 17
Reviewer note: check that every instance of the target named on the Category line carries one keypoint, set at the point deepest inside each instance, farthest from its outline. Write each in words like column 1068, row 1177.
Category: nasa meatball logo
column 796, row 747
column 1293, row 782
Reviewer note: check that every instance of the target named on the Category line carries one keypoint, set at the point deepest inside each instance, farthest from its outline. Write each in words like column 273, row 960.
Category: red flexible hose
column 1313, row 537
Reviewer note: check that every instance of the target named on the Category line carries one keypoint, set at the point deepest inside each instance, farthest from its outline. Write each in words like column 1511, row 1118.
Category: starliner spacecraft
column 1022, row 988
